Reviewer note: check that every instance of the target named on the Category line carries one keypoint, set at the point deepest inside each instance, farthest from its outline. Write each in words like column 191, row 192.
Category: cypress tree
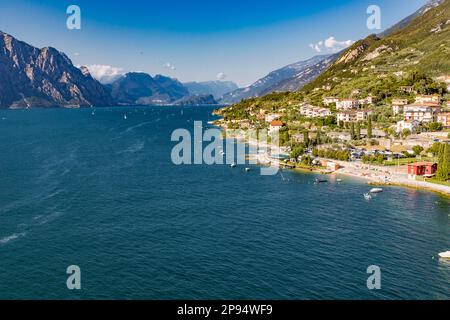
column 443, row 171
column 306, row 138
column 352, row 130
column 369, row 127
column 357, row 131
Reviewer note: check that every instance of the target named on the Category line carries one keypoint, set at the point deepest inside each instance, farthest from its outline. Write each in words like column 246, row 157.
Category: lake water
column 100, row 191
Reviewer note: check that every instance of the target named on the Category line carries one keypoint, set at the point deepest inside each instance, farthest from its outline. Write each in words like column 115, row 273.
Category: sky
column 196, row 40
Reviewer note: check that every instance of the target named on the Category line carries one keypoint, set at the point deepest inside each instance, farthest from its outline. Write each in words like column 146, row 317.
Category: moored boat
column 445, row 255
column 376, row 190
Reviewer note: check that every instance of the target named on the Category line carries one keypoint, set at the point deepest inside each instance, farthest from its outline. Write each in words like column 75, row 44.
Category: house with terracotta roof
column 275, row 125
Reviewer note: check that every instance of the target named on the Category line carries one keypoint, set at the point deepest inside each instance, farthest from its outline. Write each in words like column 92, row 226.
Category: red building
column 422, row 169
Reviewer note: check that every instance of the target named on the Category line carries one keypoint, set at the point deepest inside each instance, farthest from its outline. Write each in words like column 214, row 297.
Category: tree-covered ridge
column 381, row 66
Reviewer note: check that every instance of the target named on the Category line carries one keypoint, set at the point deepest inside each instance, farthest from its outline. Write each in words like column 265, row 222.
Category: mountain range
column 215, row 88
column 288, row 78
column 33, row 77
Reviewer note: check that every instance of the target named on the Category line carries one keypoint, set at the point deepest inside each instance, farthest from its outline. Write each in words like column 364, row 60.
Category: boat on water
column 233, row 165
column 367, row 196
column 376, row 190
column 317, row 180
column 247, row 169
column 125, row 117
column 445, row 255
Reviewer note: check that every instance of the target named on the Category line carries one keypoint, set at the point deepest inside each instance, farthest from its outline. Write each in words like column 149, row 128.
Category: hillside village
column 384, row 102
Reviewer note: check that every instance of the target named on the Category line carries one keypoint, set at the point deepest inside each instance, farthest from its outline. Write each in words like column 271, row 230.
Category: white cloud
column 221, row 76
column 331, row 45
column 104, row 73
column 170, row 66
column 317, row 46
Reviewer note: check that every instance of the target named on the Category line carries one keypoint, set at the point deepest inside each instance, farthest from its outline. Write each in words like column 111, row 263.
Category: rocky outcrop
column 32, row 77
column 197, row 100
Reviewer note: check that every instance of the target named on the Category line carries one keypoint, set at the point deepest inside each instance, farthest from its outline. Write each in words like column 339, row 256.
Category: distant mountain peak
column 289, row 78
column 32, row 77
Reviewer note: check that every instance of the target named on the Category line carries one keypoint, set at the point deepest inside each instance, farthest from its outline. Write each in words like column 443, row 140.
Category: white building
column 444, row 118
column 353, row 116
column 347, row 104
column 424, row 112
column 329, row 100
column 272, row 116
column 310, row 111
column 398, row 104
column 275, row 125
column 410, row 125
column 368, row 100
column 435, row 98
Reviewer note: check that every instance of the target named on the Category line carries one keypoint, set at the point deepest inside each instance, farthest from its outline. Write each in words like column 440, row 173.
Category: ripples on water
column 101, row 192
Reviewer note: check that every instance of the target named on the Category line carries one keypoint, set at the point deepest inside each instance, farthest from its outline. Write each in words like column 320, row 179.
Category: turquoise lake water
column 100, row 191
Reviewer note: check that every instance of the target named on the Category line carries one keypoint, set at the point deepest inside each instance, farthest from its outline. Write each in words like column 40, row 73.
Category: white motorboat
column 233, row 165
column 376, row 190
column 247, row 169
column 444, row 255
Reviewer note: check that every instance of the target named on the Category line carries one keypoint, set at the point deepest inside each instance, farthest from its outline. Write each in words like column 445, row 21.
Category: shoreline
column 372, row 174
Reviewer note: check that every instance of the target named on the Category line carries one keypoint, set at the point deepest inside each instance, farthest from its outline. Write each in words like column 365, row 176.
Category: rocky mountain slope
column 32, row 77
column 142, row 89
column 421, row 46
column 303, row 77
column 215, row 88
column 196, row 100
column 405, row 22
column 292, row 76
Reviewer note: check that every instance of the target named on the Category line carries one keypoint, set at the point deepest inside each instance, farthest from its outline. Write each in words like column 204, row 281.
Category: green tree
column 406, row 132
column 443, row 171
column 435, row 126
column 417, row 150
column 306, row 140
column 352, row 130
column 369, row 127
column 297, row 151
column 357, row 131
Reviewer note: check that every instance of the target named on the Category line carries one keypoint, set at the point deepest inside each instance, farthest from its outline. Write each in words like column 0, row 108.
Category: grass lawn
column 405, row 161
column 444, row 183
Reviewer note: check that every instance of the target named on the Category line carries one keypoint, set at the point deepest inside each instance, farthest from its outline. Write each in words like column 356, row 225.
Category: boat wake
column 12, row 237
